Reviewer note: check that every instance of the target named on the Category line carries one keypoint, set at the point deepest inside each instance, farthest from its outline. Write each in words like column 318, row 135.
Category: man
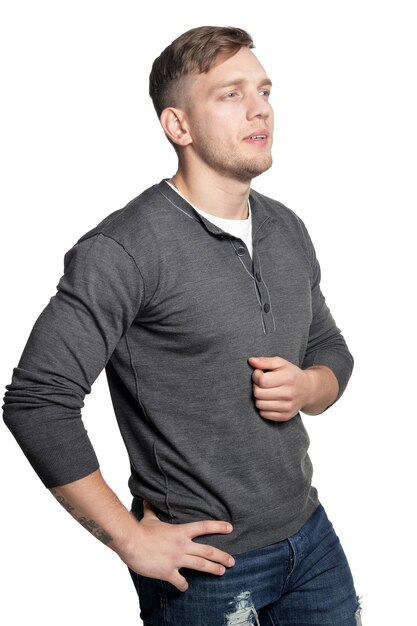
column 202, row 300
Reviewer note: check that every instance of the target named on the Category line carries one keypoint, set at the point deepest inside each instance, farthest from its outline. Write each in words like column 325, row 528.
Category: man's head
column 194, row 52
column 211, row 95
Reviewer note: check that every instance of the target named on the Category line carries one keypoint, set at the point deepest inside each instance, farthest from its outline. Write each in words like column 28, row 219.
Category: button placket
column 242, row 253
column 253, row 268
column 263, row 295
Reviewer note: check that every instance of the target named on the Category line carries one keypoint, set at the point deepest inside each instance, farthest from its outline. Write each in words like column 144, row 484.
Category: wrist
column 126, row 537
column 323, row 389
column 310, row 386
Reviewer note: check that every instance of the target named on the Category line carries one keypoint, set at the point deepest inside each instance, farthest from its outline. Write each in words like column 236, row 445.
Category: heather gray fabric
column 173, row 307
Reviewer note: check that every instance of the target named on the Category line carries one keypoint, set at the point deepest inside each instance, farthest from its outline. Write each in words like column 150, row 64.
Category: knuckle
column 291, row 378
column 208, row 552
column 199, row 563
column 258, row 377
column 203, row 528
column 256, row 380
column 182, row 542
column 167, row 573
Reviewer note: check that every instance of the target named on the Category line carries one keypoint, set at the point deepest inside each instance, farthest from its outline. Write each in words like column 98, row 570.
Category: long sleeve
column 326, row 345
column 96, row 302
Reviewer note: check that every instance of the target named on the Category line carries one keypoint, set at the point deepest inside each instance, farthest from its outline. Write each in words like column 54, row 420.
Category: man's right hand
column 160, row 550
column 149, row 547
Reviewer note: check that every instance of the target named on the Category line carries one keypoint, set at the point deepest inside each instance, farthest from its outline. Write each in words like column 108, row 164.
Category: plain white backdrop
column 79, row 139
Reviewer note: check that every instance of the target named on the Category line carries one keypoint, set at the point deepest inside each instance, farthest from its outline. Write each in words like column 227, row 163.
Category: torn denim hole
column 244, row 612
column 358, row 613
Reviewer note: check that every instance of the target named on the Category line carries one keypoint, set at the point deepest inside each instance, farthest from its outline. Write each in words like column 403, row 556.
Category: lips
column 260, row 134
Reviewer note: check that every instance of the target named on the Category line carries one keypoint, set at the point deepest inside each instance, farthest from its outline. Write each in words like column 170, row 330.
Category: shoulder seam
column 100, row 233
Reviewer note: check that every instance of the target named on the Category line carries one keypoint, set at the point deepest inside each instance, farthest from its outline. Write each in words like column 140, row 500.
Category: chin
column 253, row 169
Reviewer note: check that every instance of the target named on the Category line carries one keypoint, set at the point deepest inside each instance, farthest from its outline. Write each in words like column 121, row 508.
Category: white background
column 79, row 138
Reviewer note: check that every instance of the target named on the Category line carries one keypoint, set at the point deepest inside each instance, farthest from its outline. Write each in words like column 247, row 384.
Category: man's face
column 230, row 118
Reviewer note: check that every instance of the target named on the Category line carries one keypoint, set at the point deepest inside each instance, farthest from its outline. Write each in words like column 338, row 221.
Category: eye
column 231, row 94
column 265, row 92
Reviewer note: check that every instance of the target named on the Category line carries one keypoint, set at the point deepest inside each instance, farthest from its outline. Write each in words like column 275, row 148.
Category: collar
column 261, row 217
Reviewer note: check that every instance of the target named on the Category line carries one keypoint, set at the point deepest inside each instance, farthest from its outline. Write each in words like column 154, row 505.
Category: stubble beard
column 233, row 165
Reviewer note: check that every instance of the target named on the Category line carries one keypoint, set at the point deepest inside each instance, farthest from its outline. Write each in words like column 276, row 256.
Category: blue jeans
column 301, row 581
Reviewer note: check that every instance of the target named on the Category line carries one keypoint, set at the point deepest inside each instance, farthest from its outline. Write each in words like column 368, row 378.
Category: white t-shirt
column 238, row 228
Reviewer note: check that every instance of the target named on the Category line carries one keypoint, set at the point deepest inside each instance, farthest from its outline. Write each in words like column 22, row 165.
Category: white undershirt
column 242, row 229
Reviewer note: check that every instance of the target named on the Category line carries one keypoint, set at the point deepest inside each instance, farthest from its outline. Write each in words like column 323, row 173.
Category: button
column 258, row 277
column 266, row 307
column 241, row 251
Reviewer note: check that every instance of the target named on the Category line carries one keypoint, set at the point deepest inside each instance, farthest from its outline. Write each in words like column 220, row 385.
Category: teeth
column 258, row 137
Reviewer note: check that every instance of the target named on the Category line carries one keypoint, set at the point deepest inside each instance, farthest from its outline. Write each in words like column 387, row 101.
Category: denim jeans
column 300, row 581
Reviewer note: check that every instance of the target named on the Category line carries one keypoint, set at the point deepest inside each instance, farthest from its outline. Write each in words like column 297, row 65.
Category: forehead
column 240, row 67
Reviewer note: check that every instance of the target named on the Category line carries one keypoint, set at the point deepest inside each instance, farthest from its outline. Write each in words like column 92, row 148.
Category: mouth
column 260, row 137
column 255, row 137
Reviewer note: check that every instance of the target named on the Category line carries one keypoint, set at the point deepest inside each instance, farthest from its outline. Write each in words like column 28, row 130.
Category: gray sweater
column 172, row 307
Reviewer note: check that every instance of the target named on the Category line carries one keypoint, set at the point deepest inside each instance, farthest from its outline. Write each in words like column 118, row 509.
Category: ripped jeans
column 300, row 581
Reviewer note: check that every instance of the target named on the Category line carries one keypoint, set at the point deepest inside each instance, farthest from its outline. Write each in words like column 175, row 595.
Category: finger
column 257, row 377
column 178, row 581
column 203, row 565
column 210, row 553
column 279, row 394
column 266, row 362
column 267, row 380
column 208, row 527
column 276, row 417
column 274, row 406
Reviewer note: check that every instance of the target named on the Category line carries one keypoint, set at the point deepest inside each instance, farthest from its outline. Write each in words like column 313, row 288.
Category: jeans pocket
column 151, row 599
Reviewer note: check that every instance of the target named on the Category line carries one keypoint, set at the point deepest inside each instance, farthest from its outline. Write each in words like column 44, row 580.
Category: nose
column 259, row 106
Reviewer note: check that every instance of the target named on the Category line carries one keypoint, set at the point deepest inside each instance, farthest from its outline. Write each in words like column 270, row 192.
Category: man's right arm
column 150, row 547
column 98, row 298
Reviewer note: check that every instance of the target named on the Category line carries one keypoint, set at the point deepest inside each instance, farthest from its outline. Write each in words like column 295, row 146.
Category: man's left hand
column 281, row 389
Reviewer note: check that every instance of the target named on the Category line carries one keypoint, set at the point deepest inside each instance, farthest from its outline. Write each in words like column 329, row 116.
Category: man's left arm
column 281, row 389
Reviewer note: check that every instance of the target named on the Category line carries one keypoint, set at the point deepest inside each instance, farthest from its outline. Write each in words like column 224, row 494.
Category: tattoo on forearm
column 95, row 530
column 102, row 536
column 89, row 524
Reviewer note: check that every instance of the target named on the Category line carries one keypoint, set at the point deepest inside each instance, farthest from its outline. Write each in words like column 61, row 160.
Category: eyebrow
column 240, row 81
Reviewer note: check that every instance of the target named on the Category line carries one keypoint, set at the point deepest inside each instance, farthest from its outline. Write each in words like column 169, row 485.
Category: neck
column 214, row 194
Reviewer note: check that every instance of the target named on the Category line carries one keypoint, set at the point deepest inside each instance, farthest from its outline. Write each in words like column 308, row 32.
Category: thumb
column 266, row 362
column 148, row 511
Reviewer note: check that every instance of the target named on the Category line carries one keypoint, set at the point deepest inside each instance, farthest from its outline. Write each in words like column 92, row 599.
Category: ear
column 174, row 124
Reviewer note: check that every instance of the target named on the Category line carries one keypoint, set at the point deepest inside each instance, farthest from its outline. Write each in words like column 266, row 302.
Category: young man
column 202, row 300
